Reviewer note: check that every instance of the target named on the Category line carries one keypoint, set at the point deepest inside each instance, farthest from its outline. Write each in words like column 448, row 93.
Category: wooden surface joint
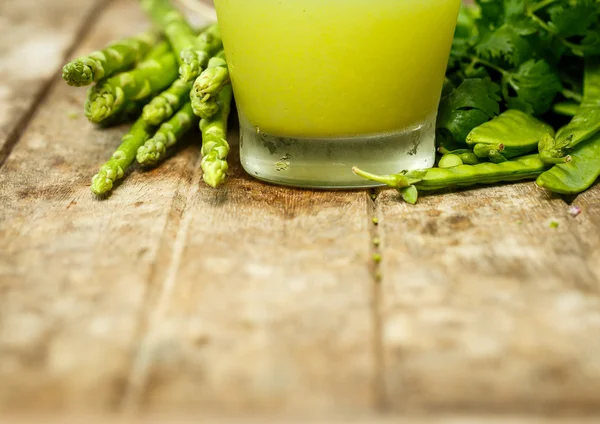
column 153, row 313
column 382, row 403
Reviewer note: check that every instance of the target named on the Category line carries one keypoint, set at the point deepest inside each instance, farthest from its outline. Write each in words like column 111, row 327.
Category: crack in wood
column 379, row 392
column 137, row 380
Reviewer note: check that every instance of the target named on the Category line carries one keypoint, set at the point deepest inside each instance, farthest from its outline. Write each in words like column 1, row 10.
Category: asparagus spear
column 153, row 151
column 216, row 76
column 192, row 52
column 130, row 112
column 179, row 33
column 112, row 95
column 196, row 57
column 204, row 109
column 214, row 144
column 208, row 85
column 114, row 58
column 122, row 158
column 163, row 106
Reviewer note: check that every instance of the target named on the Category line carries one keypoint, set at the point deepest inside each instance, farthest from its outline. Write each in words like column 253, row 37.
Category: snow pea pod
column 450, row 160
column 482, row 150
column 522, row 168
column 577, row 175
column 467, row 156
column 584, row 124
column 410, row 194
column 496, row 157
column 513, row 133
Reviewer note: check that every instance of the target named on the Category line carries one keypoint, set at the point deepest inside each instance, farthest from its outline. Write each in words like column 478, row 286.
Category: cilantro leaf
column 513, row 9
column 590, row 45
column 572, row 20
column 547, row 47
column 492, row 14
column 536, row 84
column 496, row 13
column 496, row 44
column 534, row 50
column 515, row 15
column 505, row 46
column 474, row 102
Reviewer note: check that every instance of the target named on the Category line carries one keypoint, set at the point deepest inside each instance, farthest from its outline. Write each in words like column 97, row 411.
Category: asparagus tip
column 150, row 153
column 101, row 183
column 188, row 72
column 205, row 109
column 77, row 74
column 214, row 170
column 101, row 104
column 154, row 115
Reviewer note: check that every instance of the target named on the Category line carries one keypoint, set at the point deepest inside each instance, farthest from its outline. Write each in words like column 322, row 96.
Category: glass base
column 328, row 162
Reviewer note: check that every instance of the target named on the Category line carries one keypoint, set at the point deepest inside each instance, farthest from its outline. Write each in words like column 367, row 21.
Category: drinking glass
column 323, row 85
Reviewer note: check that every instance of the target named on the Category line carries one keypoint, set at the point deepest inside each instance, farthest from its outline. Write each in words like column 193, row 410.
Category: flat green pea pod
column 584, row 124
column 522, row 168
column 496, row 157
column 409, row 194
column 450, row 160
column 467, row 156
column 577, row 175
column 484, row 151
column 513, row 133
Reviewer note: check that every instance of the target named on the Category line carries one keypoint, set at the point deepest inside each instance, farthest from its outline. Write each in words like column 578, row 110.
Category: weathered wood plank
column 228, row 419
column 268, row 308
column 589, row 226
column 74, row 271
column 34, row 39
column 67, row 324
column 485, row 307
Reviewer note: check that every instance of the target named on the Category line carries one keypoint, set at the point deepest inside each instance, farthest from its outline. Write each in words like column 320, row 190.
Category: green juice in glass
column 322, row 85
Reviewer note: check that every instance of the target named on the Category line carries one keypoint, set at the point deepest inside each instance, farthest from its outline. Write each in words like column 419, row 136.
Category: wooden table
column 172, row 299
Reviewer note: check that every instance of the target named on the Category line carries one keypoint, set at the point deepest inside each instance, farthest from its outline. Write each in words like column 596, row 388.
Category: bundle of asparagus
column 169, row 80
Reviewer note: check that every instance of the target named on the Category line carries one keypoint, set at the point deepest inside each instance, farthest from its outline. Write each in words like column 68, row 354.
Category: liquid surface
column 320, row 68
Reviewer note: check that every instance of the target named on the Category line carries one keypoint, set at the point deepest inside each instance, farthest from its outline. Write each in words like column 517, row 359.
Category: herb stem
column 541, row 5
column 571, row 46
column 471, row 66
column 476, row 60
column 570, row 94
column 541, row 22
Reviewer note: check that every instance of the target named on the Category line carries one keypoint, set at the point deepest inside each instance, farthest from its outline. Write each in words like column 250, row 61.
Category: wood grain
column 35, row 37
column 257, row 303
column 589, row 226
column 268, row 307
column 485, row 307
column 273, row 283
column 229, row 419
column 75, row 271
